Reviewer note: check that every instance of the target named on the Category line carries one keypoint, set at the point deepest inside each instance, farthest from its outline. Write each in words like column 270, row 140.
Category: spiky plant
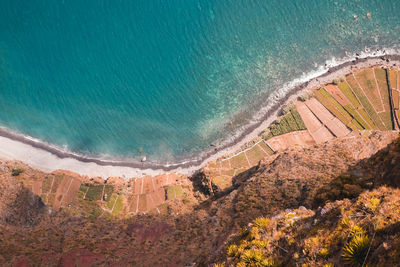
column 254, row 233
column 256, row 258
column 232, row 250
column 252, row 257
column 324, row 253
column 329, row 265
column 259, row 243
column 357, row 230
column 355, row 251
column 262, row 222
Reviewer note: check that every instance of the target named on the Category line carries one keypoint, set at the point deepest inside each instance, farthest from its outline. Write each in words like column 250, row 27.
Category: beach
column 14, row 146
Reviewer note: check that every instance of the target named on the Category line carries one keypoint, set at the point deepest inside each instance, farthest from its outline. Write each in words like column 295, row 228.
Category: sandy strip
column 49, row 158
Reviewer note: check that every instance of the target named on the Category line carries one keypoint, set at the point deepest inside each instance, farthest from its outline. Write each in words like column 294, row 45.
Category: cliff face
column 18, row 205
column 199, row 231
column 352, row 220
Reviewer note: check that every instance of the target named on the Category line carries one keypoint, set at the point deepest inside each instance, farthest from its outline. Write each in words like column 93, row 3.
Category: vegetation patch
column 239, row 161
column 108, row 190
column 16, row 172
column 46, row 184
column 266, row 148
column 366, row 79
column 94, row 192
column 380, row 75
column 222, row 182
column 255, row 154
column 291, row 121
column 118, row 206
column 82, row 191
column 393, row 79
column 338, row 110
column 110, row 204
column 365, row 102
column 174, row 191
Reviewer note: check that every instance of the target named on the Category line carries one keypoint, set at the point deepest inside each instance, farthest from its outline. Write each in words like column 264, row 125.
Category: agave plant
column 355, row 251
column 256, row 259
column 357, row 230
column 261, row 222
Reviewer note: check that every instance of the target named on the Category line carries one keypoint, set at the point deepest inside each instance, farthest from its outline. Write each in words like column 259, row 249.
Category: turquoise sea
column 104, row 77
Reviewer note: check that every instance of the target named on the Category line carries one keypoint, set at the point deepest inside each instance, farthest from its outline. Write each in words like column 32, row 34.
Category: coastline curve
column 52, row 157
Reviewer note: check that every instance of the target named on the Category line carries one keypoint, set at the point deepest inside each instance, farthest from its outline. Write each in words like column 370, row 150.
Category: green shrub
column 256, row 258
column 16, row 172
column 355, row 251
column 232, row 251
column 261, row 222
column 324, row 253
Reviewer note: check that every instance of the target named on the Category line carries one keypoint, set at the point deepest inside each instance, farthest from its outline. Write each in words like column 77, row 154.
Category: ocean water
column 106, row 77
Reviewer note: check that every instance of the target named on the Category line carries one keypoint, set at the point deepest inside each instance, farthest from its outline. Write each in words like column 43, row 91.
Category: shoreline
column 49, row 158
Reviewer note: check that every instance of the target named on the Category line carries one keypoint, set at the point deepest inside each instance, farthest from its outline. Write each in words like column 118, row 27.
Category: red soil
column 282, row 142
column 337, row 94
column 319, row 133
column 330, row 121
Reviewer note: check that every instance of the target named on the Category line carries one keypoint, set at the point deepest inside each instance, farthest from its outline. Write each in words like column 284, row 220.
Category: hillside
column 196, row 231
column 354, row 220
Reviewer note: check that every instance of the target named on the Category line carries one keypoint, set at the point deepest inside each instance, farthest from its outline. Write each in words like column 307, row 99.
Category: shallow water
column 108, row 77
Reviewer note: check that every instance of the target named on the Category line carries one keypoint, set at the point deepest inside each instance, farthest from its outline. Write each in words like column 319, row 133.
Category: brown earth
column 194, row 229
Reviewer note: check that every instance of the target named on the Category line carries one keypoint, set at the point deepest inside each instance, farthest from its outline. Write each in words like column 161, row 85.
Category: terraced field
column 361, row 102
column 94, row 199
column 394, row 81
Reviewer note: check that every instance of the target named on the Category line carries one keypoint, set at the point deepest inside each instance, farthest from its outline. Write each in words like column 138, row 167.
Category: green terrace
column 361, row 102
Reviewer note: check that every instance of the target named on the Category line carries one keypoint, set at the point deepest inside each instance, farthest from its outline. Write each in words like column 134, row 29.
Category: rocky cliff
column 201, row 227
